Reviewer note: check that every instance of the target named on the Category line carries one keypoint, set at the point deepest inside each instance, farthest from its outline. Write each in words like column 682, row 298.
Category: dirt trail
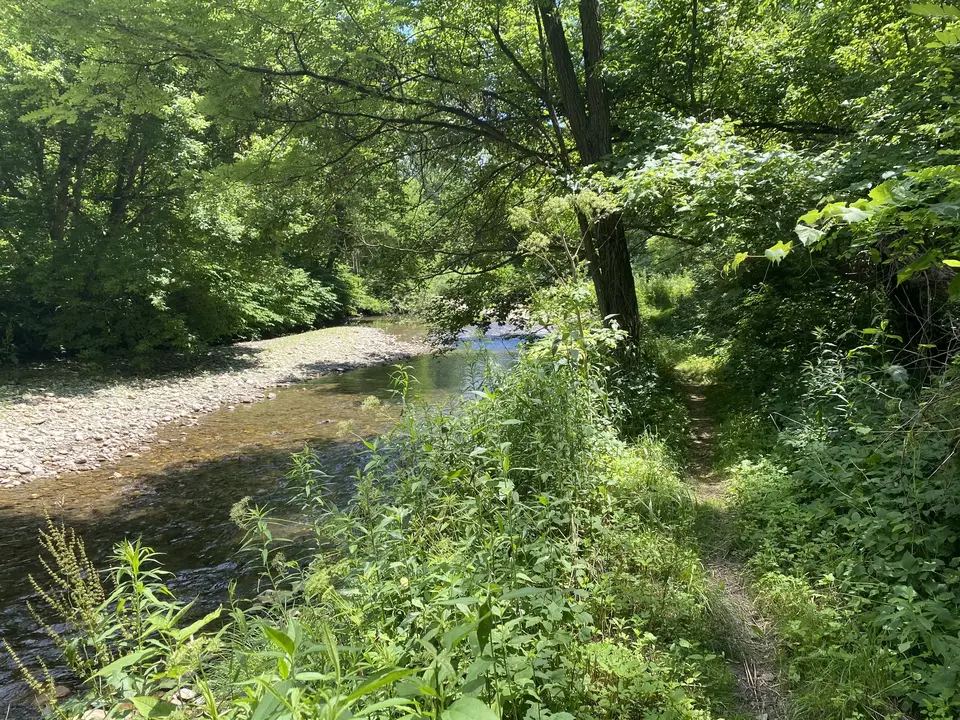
column 749, row 635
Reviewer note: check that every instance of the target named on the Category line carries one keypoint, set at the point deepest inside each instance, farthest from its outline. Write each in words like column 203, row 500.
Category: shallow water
column 178, row 495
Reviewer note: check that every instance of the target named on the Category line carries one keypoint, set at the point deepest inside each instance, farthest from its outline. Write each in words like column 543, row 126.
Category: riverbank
column 73, row 420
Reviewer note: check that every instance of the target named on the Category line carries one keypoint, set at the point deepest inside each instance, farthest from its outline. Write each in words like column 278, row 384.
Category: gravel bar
column 71, row 420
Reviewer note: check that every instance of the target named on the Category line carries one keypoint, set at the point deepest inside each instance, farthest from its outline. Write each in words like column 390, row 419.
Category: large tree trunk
column 589, row 123
column 616, row 290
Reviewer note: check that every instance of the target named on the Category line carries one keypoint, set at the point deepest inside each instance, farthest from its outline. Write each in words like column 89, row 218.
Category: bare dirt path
column 748, row 633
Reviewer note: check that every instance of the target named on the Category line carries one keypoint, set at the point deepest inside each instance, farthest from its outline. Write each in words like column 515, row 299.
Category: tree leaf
column 934, row 10
column 808, row 235
column 778, row 252
column 468, row 708
column 854, row 215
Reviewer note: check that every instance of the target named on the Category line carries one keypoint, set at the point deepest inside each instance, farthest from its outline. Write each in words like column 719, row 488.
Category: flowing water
column 178, row 496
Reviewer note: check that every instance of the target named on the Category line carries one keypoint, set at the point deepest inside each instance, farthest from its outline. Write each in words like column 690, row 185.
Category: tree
column 492, row 84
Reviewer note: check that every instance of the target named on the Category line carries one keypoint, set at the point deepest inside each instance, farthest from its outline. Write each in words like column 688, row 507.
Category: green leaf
column 882, row 194
column 468, row 708
column 934, row 10
column 738, row 259
column 382, row 705
column 808, row 235
column 955, row 286
column 273, row 697
column 125, row 661
column 151, row 707
column 854, row 215
column 950, row 262
column 387, row 678
column 522, row 592
column 198, row 625
column 485, row 626
column 918, row 265
column 460, row 601
column 778, row 252
column 280, row 639
column 949, row 38
column 452, row 638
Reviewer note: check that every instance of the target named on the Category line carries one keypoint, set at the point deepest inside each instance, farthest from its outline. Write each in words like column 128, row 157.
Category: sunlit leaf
column 468, row 708
column 778, row 252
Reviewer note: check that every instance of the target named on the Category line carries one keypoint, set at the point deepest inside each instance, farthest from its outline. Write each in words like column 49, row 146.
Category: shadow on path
column 748, row 633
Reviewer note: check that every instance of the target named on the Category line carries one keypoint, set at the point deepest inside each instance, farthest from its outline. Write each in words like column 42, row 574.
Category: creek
column 178, row 497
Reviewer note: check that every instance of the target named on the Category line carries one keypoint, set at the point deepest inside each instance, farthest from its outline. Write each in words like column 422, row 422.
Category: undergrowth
column 843, row 505
column 508, row 556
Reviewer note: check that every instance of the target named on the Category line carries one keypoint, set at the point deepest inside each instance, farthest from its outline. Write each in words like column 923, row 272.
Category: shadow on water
column 178, row 495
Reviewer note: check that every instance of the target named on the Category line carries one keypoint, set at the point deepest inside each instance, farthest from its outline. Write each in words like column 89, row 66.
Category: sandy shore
column 71, row 420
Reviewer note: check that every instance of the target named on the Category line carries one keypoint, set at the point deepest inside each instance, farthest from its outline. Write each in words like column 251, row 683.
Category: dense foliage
column 766, row 198
column 507, row 556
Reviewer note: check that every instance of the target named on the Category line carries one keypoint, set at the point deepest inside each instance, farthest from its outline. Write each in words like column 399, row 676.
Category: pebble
column 76, row 420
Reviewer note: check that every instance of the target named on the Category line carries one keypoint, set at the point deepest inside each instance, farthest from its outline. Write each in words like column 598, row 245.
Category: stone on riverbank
column 60, row 420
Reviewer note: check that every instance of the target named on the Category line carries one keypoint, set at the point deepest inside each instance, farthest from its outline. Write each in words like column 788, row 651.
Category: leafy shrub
column 869, row 506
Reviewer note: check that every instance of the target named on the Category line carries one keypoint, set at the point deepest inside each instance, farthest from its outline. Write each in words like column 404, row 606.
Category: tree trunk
column 589, row 124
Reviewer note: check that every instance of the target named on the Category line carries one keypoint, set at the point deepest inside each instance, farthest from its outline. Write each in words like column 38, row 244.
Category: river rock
column 92, row 418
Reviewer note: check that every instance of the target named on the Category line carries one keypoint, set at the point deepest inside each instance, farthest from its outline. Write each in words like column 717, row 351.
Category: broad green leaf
column 198, row 625
column 378, row 682
column 778, row 252
column 151, row 707
column 882, row 194
column 934, row 10
column 950, row 262
column 808, row 235
column 955, row 286
column 460, row 601
column 126, row 661
column 854, row 214
column 738, row 260
column 920, row 264
column 522, row 592
column 452, row 638
column 382, row 705
column 280, row 639
column 273, row 698
column 485, row 626
column 468, row 708
column 948, row 38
